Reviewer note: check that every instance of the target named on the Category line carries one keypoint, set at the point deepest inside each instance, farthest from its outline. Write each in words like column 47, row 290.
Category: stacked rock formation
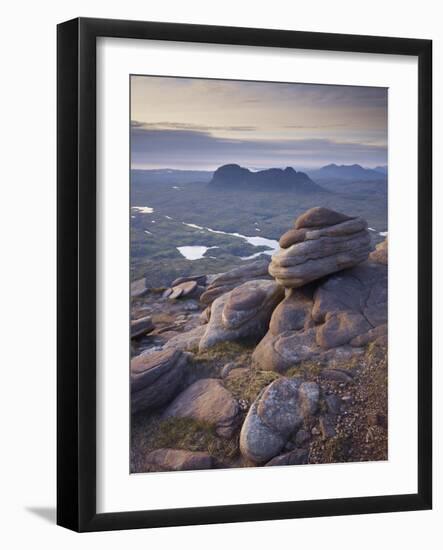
column 322, row 242
column 329, row 318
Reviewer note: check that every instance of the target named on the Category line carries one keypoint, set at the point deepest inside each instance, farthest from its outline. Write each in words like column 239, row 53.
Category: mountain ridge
column 234, row 176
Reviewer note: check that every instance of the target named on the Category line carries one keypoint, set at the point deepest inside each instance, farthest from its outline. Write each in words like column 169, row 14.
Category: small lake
column 271, row 244
column 143, row 209
column 194, row 252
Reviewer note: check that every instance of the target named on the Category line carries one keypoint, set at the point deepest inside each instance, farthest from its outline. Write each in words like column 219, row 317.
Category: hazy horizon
column 201, row 124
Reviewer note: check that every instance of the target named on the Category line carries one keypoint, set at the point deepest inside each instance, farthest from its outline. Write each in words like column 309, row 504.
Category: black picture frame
column 76, row 295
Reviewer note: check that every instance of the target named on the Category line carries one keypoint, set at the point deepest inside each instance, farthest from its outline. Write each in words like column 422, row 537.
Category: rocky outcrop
column 208, row 401
column 155, row 378
column 330, row 242
column 328, row 321
column 275, row 415
column 242, row 313
column 186, row 341
column 225, row 282
column 177, row 460
column 142, row 326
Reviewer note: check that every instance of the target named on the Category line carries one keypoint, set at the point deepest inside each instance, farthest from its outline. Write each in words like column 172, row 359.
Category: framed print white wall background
column 109, row 495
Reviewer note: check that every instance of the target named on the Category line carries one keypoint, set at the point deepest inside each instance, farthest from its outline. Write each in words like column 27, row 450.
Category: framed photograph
column 235, row 343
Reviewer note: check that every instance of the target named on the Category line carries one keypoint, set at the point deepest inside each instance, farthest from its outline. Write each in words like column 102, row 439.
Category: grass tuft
column 248, row 384
column 180, row 433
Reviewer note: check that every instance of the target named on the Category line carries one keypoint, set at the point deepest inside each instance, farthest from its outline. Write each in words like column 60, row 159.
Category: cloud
column 181, row 148
column 188, row 126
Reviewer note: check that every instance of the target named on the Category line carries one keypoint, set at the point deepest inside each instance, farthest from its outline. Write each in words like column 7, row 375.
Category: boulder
column 155, row 378
column 208, row 401
column 177, row 460
column 186, row 341
column 275, row 415
column 331, row 320
column 242, row 313
column 187, row 287
column 323, row 242
column 213, row 293
column 139, row 327
column 224, row 282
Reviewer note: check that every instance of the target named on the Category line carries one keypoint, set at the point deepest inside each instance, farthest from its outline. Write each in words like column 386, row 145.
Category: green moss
column 249, row 383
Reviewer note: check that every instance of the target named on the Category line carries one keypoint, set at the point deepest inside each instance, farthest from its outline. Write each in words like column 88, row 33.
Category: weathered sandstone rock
column 333, row 320
column 209, row 401
column 175, row 460
column 155, row 378
column 141, row 326
column 242, row 313
column 186, row 341
column 274, row 416
column 220, row 284
column 319, row 217
column 324, row 242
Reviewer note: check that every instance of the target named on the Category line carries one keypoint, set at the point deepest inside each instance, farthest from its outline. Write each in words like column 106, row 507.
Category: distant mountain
column 382, row 169
column 345, row 172
column 233, row 176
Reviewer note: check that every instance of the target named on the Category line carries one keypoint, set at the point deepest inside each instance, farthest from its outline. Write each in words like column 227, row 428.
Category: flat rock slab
column 155, row 378
column 142, row 326
column 199, row 279
column 207, row 400
column 177, row 460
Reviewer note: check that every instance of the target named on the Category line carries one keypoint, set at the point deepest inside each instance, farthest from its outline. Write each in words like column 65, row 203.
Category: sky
column 201, row 124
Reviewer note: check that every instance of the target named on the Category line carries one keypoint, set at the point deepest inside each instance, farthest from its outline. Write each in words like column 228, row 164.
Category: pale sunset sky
column 199, row 124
